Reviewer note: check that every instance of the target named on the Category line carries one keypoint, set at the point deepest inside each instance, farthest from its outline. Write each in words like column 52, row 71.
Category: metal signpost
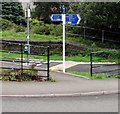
column 66, row 19
column 27, row 46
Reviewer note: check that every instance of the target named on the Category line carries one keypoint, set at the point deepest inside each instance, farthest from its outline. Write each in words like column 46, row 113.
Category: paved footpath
column 65, row 85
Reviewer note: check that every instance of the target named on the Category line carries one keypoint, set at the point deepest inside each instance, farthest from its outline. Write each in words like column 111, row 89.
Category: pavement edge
column 96, row 93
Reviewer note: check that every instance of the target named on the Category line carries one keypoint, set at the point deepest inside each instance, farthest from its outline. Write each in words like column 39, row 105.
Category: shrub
column 51, row 79
column 35, row 22
column 26, row 75
column 55, row 30
column 7, row 25
column 39, row 27
column 17, row 75
column 40, row 30
column 107, row 53
column 20, row 28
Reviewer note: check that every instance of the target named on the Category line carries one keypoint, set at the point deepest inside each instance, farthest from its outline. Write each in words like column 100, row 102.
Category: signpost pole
column 28, row 37
column 27, row 46
column 63, row 20
column 27, row 15
column 63, row 43
column 66, row 19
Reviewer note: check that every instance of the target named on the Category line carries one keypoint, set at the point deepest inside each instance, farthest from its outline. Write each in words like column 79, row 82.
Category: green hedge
column 107, row 53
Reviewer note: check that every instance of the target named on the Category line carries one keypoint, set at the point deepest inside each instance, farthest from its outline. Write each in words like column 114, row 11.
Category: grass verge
column 95, row 76
column 78, row 58
column 18, row 36
column 79, row 40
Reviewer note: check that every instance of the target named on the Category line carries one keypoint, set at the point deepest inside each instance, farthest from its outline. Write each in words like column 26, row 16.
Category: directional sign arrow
column 56, row 17
column 72, row 19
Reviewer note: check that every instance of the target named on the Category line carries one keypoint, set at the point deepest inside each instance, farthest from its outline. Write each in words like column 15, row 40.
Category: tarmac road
column 105, row 103
column 77, row 66
column 100, row 68
column 86, row 67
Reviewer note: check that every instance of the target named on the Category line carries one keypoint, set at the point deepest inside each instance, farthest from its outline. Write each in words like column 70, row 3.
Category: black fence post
column 84, row 32
column 48, row 60
column 91, row 64
column 21, row 58
column 103, row 36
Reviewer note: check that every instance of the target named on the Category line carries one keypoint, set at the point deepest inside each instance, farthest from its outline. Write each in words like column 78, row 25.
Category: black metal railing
column 109, row 68
column 19, row 49
column 92, row 33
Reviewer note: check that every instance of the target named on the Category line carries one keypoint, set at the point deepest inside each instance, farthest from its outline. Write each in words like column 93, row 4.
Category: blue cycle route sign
column 70, row 18
column 56, row 17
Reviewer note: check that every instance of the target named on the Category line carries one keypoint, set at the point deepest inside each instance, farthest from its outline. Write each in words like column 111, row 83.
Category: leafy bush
column 39, row 27
column 35, row 22
column 25, row 75
column 51, row 79
column 18, row 75
column 36, row 27
column 20, row 28
column 107, row 53
column 55, row 30
column 6, row 25
column 42, row 29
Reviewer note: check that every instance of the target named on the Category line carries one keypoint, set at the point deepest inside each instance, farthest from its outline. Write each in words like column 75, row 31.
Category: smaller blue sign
column 72, row 18
column 56, row 17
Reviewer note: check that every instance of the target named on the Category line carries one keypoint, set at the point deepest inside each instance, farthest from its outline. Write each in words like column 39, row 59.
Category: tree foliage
column 45, row 9
column 13, row 11
column 104, row 15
